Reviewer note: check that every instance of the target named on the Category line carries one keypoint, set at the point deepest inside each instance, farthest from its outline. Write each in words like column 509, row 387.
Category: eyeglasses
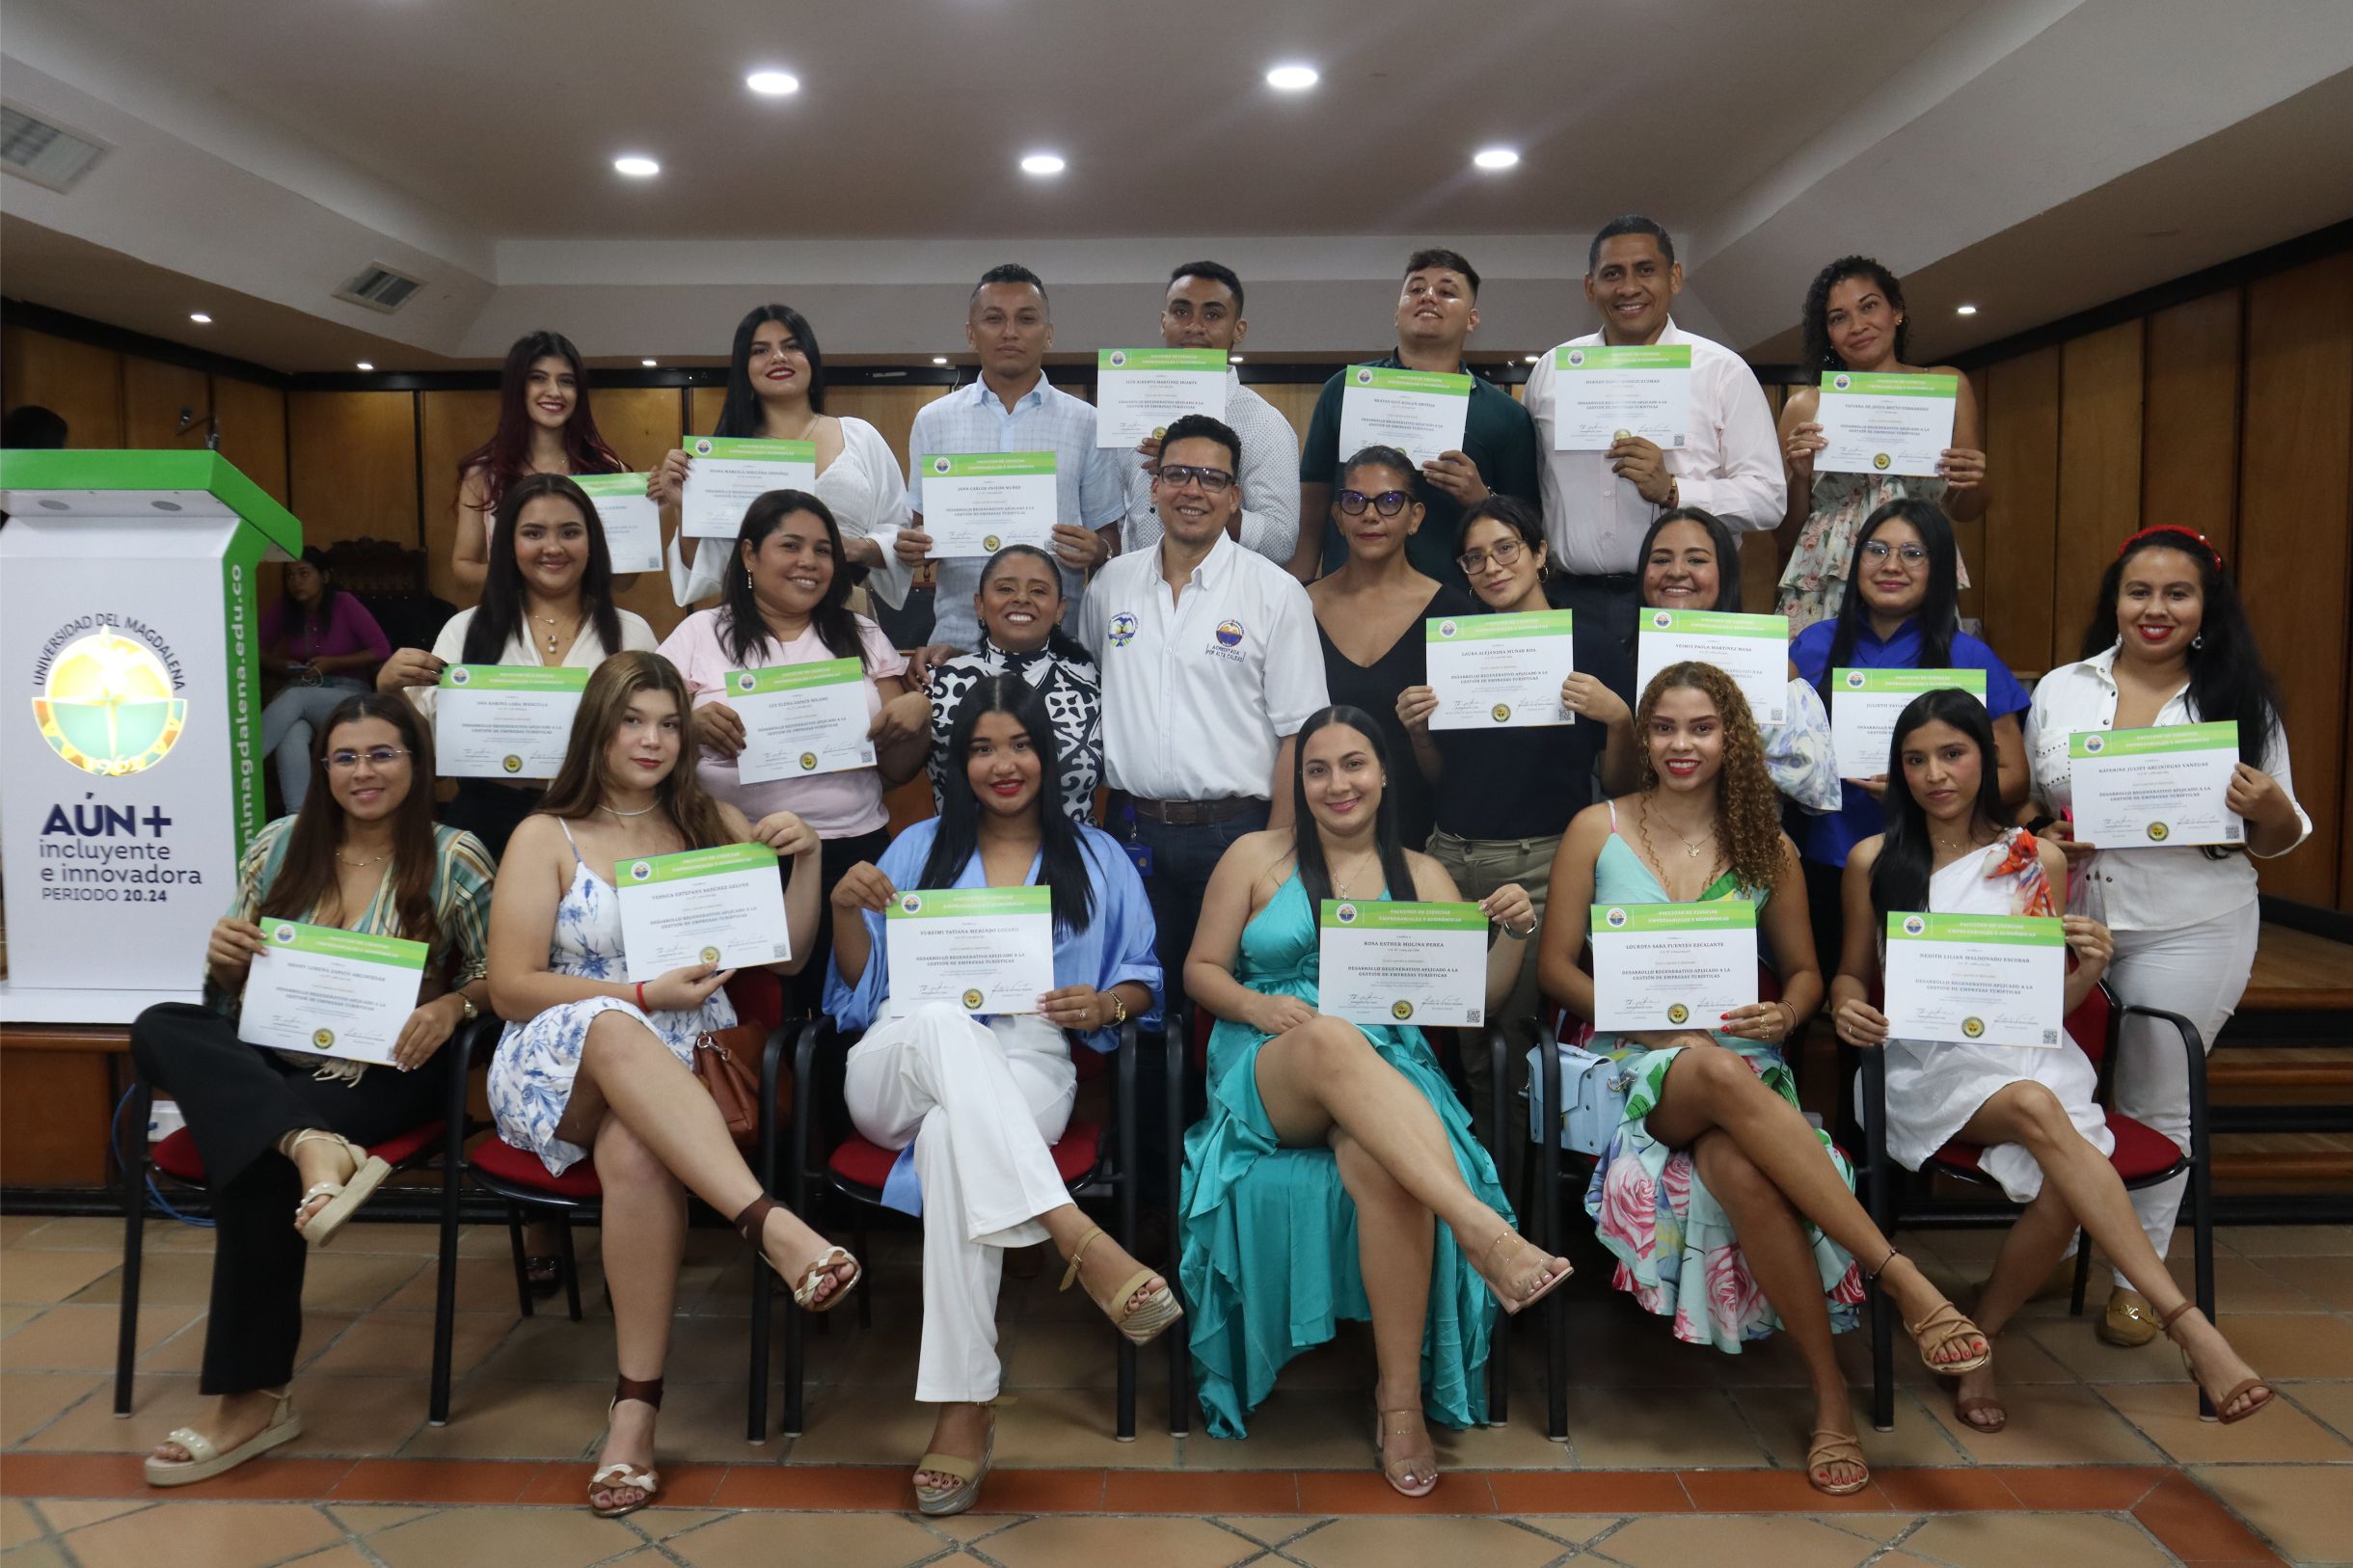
column 1212, row 481
column 1389, row 503
column 1879, row 550
column 381, row 756
column 1503, row 553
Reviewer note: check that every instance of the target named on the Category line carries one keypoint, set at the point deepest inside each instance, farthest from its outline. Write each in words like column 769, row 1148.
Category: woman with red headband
column 2168, row 643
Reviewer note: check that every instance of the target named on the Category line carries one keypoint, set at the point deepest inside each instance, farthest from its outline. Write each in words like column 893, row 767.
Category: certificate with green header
column 1865, row 704
column 1500, row 671
column 2147, row 788
column 1141, row 391
column 1977, row 979
column 976, row 503
column 1753, row 649
column 321, row 990
column 631, row 521
column 504, row 720
column 982, row 949
column 800, row 720
column 1418, row 963
column 723, row 905
column 1885, row 424
column 1603, row 392
column 1422, row 413
column 729, row 472
column 1672, row 965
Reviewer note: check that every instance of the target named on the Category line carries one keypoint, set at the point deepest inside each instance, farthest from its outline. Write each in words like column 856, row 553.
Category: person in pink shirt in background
column 325, row 645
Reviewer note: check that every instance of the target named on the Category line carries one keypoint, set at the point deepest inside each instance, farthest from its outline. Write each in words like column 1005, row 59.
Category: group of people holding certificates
column 1513, row 752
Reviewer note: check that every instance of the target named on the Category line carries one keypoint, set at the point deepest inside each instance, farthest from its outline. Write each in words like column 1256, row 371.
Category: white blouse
column 2140, row 890
column 587, row 650
column 867, row 494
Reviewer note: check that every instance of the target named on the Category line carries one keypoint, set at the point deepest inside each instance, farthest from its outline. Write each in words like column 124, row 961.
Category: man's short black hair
column 31, row 425
column 1630, row 223
column 1451, row 261
column 1217, row 272
column 1009, row 272
column 1202, row 427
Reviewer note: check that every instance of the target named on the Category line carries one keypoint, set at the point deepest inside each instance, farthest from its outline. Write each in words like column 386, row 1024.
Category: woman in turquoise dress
column 1727, row 1212
column 1312, row 1188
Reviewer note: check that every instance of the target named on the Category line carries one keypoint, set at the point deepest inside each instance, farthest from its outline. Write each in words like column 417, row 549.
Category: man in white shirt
column 1203, row 308
column 1597, row 504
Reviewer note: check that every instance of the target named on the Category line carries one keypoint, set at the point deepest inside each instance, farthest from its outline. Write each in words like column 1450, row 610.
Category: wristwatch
column 472, row 1011
column 1119, row 1009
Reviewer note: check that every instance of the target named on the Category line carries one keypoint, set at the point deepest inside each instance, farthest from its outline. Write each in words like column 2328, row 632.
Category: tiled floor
column 1677, row 1455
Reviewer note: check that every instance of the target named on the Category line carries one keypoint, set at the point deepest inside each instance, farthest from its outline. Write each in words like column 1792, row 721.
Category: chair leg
column 444, row 1285
column 569, row 1264
column 2083, row 1273
column 134, row 1163
column 522, row 1270
column 1548, row 1209
column 1180, row 1337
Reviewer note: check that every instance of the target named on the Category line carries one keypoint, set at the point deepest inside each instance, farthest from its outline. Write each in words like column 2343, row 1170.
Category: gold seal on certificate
column 1500, row 669
column 2136, row 789
column 1662, row 965
column 334, row 992
column 723, row 906
column 986, row 950
column 1384, row 961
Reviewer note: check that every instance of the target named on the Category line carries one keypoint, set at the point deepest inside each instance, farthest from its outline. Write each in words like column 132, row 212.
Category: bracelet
column 1518, row 935
column 641, row 996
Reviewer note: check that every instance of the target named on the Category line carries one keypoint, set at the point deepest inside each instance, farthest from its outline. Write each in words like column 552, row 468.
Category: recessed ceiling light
column 1531, row 359
column 637, row 165
column 200, row 318
column 1234, row 358
column 1494, row 157
column 1292, row 78
column 939, row 359
column 1042, row 163
column 648, row 364
column 776, row 84
column 364, row 366
column 1965, row 309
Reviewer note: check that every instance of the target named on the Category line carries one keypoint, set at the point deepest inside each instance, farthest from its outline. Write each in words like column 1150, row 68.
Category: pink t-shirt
column 837, row 805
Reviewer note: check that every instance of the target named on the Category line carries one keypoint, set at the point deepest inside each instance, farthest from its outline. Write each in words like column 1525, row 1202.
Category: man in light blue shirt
column 1012, row 408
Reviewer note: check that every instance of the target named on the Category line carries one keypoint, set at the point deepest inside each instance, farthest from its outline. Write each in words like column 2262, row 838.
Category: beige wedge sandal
column 1140, row 1321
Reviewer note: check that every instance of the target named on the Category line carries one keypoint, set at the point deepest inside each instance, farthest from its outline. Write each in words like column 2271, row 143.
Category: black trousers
column 239, row 1101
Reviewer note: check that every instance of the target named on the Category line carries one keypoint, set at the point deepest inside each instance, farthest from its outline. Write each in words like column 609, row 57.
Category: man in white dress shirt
column 1597, row 504
column 1203, row 308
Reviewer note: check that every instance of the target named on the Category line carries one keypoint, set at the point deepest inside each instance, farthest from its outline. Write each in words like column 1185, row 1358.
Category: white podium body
column 130, row 760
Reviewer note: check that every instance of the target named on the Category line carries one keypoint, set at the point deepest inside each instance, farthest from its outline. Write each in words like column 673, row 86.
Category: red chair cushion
column 1091, row 1064
column 868, row 1165
column 2089, row 1024
column 176, row 1156
column 2141, row 1153
column 503, row 1161
column 757, row 997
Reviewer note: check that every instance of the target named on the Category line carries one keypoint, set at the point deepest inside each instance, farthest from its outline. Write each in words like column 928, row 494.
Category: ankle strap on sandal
column 645, row 1390
column 753, row 1216
column 1078, row 1256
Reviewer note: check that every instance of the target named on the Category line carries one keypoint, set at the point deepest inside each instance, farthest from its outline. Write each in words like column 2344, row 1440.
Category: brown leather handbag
column 725, row 1061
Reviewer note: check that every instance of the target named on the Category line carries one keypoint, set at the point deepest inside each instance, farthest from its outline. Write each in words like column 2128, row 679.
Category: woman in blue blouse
column 974, row 1104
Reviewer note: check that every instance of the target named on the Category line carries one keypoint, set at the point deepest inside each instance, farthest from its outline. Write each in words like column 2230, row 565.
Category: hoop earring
column 2197, row 642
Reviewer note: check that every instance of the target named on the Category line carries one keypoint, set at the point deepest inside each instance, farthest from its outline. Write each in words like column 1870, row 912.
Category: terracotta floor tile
column 2071, row 1343
column 184, row 1351
column 485, row 1285
column 1943, row 1491
column 63, row 1514
column 2327, row 1280
column 18, row 1523
column 1202, row 1492
column 2063, row 1487
column 86, row 1232
column 1784, row 1419
column 15, row 1315
column 1519, row 1444
column 46, row 1475
column 358, row 1417
column 1673, row 1428
column 1072, row 1426
column 31, row 1401
column 1590, row 1492
column 1048, row 1356
column 2329, row 1403
column 1414, row 1543
column 206, row 1535
column 398, row 1344
column 373, row 1235
column 14, row 1228
column 367, row 1517
column 2305, row 1511
column 499, row 1420
column 75, row 1338
column 1874, row 1527
column 2288, row 1240
column 1771, row 1491
column 334, row 1556
column 1577, row 1529
column 550, row 1348
column 2297, row 1345
column 836, row 1540
column 542, row 1537
column 965, row 1528
column 37, row 1279
column 2007, row 1540
column 159, row 1402
column 2169, row 1417
column 704, row 1423
column 2055, row 1424
column 420, row 1480
column 1295, row 1429
column 37, row 1555
column 268, row 1479
column 662, row 1522
column 1273, row 1530
column 822, row 1487
column 1363, row 1492
column 1046, row 1491
column 1785, row 1543
column 1073, row 1542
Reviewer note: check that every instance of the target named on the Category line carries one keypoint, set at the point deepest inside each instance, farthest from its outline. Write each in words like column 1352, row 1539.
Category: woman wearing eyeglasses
column 1369, row 615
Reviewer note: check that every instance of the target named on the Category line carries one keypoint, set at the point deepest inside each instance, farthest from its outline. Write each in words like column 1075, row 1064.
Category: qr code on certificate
column 2050, row 1037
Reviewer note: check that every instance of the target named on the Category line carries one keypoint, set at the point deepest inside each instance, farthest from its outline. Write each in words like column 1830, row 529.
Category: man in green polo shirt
column 1437, row 312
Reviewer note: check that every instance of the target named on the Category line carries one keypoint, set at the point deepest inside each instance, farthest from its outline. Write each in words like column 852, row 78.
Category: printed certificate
column 2137, row 789
column 800, row 719
column 1422, row 413
column 504, row 720
column 326, row 991
column 984, row 949
column 1753, row 649
column 1865, row 704
column 1141, row 391
column 631, row 521
column 721, row 906
column 1885, row 424
column 1419, row 963
column 976, row 503
column 729, row 472
column 1672, row 965
column 1983, row 979
column 1602, row 393
column 1500, row 671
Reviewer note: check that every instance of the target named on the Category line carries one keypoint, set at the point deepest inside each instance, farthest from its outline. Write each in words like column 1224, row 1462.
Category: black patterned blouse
column 1073, row 693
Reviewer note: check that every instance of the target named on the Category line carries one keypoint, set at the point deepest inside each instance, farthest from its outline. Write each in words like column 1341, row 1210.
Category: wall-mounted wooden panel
column 703, row 405
column 890, row 410
column 155, row 397
column 2099, row 468
column 2022, row 518
column 352, row 473
column 2189, row 467
column 1294, row 400
column 452, row 423
column 641, row 422
column 254, row 431
column 82, row 383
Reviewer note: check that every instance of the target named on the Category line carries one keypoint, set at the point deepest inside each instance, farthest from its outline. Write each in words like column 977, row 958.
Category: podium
column 130, row 720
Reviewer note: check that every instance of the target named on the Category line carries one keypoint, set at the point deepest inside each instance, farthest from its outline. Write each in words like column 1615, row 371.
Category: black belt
column 1194, row 813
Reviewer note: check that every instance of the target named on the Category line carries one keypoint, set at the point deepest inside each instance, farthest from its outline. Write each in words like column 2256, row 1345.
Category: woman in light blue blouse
column 974, row 1104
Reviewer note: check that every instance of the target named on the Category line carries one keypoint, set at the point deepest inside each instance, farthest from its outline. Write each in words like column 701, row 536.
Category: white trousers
column 988, row 1102
column 2199, row 971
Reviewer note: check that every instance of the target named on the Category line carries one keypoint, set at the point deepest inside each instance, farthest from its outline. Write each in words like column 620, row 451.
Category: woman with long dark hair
column 1948, row 849
column 1019, row 605
column 277, row 1134
column 325, row 645
column 2168, row 643
column 593, row 1063
column 990, row 1093
column 545, row 426
column 1854, row 321
column 1319, row 1127
column 777, row 391
column 1726, row 1212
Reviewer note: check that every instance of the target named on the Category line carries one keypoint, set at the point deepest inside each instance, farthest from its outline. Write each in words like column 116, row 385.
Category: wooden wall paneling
column 890, row 410
column 1969, row 536
column 2022, row 518
column 353, row 465
column 153, row 396
column 703, row 405
column 81, row 383
column 2295, row 506
column 1294, row 400
column 642, row 423
column 2099, row 468
column 253, row 430
column 2189, row 468
column 53, row 1110
column 452, row 425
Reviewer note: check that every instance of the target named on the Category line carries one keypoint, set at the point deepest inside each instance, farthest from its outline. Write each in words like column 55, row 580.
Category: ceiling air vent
column 45, row 153
column 380, row 289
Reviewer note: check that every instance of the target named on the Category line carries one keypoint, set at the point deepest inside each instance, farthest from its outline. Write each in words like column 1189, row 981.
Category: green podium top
column 25, row 476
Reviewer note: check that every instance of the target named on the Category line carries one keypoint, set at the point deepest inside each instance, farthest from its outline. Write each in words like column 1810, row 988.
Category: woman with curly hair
column 1726, row 1212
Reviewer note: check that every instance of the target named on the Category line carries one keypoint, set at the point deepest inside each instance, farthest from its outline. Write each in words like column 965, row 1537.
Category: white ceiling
column 264, row 151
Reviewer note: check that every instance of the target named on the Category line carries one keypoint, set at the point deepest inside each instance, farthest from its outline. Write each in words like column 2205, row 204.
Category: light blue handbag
column 1593, row 1093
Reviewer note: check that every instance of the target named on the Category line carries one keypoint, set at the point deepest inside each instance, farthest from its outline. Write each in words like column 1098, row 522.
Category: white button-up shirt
column 1200, row 690
column 972, row 418
column 1732, row 465
column 2150, row 889
column 1269, row 471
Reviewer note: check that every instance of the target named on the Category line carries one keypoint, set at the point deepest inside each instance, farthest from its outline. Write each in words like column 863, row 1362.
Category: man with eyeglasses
column 1437, row 312
column 1203, row 308
column 1599, row 504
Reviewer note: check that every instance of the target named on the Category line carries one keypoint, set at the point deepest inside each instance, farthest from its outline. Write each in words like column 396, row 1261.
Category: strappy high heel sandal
column 1939, row 1329
column 344, row 1198
column 1140, row 1321
column 1832, row 1447
column 748, row 1222
column 1513, row 1309
column 207, row 1459
column 613, row 1478
column 1399, row 1472
column 2246, row 1385
column 935, row 1503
